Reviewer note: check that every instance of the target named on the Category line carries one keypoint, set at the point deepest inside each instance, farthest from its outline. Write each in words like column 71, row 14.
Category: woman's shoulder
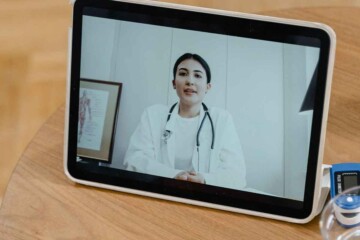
column 222, row 116
column 157, row 109
column 220, row 112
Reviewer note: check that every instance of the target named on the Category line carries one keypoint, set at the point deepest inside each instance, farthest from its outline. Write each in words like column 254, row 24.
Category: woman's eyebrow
column 184, row 69
column 187, row 70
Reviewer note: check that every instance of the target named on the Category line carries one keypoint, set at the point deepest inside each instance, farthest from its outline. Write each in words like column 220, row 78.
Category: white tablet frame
column 322, row 177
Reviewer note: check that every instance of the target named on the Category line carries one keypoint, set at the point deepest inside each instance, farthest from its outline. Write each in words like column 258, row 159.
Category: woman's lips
column 189, row 91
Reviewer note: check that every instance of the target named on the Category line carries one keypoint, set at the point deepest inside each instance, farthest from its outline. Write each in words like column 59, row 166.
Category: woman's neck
column 189, row 111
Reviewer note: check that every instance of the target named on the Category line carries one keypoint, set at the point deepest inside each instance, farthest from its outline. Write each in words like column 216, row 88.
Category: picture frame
column 98, row 108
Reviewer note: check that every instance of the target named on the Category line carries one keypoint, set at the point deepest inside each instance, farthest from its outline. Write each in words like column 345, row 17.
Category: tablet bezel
column 259, row 27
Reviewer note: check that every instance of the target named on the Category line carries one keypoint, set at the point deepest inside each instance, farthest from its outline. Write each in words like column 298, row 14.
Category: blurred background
column 33, row 61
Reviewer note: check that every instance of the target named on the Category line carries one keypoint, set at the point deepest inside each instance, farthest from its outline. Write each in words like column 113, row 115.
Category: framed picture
column 98, row 108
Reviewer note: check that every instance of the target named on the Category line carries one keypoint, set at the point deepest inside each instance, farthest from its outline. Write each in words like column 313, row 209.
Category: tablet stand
column 325, row 187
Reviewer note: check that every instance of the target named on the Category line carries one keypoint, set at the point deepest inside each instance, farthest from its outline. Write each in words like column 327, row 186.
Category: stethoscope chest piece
column 166, row 135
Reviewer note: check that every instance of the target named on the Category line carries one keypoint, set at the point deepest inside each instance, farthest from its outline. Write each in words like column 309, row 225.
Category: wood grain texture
column 256, row 6
column 33, row 55
column 33, row 36
column 41, row 203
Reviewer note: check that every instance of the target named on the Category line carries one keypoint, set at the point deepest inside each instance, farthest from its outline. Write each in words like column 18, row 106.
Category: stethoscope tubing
column 207, row 114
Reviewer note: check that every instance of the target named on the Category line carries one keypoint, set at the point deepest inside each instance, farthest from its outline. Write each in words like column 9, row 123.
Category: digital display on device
column 350, row 181
column 211, row 108
column 343, row 177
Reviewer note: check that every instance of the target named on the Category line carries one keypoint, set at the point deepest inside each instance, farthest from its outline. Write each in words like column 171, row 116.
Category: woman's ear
column 174, row 85
column 208, row 87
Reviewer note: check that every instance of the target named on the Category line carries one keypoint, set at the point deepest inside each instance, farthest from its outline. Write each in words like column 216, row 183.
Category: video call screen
column 210, row 108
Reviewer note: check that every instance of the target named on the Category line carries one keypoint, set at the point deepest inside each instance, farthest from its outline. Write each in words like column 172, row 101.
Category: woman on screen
column 188, row 141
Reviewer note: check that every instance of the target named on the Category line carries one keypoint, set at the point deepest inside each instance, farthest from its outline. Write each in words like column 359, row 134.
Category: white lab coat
column 149, row 153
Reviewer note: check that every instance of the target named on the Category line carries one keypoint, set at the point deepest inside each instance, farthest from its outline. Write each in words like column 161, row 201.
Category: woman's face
column 191, row 82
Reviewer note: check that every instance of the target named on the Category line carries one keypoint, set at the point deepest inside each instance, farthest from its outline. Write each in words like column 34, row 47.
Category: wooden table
column 41, row 203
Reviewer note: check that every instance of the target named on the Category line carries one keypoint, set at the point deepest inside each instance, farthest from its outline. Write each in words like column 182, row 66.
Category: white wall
column 299, row 66
column 248, row 79
column 97, row 47
column 255, row 98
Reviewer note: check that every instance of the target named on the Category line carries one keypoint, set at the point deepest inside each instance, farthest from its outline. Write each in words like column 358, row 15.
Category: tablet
column 212, row 108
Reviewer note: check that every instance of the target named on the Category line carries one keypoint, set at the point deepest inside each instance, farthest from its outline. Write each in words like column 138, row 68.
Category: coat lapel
column 197, row 167
column 170, row 126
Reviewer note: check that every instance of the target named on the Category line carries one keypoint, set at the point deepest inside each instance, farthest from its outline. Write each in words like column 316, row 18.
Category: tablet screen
column 212, row 108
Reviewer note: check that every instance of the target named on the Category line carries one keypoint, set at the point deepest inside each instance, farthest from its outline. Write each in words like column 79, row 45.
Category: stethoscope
column 167, row 133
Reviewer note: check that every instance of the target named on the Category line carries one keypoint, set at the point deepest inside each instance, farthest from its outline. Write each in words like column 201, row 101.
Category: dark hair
column 197, row 58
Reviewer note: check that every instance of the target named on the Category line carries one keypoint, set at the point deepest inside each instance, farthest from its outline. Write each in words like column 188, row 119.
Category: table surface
column 41, row 203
